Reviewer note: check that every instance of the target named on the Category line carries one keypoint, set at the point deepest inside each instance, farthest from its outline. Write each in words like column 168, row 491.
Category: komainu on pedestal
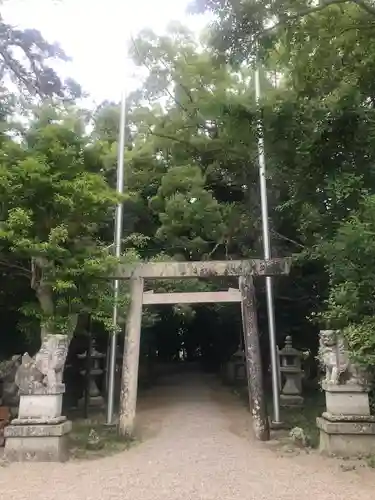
column 346, row 427
column 40, row 431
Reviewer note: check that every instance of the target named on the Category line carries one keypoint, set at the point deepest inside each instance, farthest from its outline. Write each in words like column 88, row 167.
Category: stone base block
column 38, row 443
column 290, row 400
column 35, row 405
column 346, row 399
column 347, row 438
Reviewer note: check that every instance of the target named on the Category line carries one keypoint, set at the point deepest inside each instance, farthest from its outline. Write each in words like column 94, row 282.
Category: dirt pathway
column 196, row 446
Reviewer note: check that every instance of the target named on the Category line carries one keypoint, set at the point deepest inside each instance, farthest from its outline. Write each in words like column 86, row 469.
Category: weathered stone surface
column 94, row 441
column 343, row 388
column 346, row 438
column 204, row 269
column 253, row 359
column 334, row 358
column 347, row 418
column 346, row 428
column 299, row 437
column 231, row 295
column 130, row 365
column 40, row 406
column 235, row 368
column 38, row 421
column 335, row 427
column 44, row 371
column 40, row 443
column 291, row 372
column 47, row 430
column 287, row 400
column 347, row 400
column 37, row 449
column 44, row 390
column 28, row 375
column 9, row 367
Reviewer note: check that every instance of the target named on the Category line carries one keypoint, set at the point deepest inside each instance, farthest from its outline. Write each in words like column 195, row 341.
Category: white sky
column 95, row 33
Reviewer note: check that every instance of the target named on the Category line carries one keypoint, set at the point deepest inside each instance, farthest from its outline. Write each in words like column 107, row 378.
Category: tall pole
column 267, row 255
column 117, row 245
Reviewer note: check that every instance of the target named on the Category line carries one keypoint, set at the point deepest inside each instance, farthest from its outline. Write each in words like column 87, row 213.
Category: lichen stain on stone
column 206, row 273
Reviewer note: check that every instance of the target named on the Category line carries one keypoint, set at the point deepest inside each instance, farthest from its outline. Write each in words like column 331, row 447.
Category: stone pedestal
column 95, row 397
column 40, row 432
column 37, row 440
column 288, row 400
column 346, row 428
column 291, row 393
column 35, row 405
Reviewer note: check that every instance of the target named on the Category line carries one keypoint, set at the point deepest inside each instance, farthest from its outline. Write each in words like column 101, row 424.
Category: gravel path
column 196, row 446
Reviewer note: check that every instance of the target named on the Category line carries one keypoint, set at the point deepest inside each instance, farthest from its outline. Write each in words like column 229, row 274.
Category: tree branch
column 149, row 69
column 281, row 236
column 17, row 72
column 23, row 270
column 175, row 139
column 307, row 298
column 214, row 250
column 312, row 10
column 365, row 6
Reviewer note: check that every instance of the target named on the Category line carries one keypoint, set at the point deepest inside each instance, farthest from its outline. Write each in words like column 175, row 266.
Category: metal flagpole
column 267, row 255
column 117, row 245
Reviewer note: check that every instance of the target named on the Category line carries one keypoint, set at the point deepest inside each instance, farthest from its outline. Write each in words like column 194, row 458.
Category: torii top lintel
column 204, row 269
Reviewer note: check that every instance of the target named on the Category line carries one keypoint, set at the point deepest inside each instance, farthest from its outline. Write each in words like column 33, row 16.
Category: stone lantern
column 291, row 371
column 95, row 372
column 236, row 367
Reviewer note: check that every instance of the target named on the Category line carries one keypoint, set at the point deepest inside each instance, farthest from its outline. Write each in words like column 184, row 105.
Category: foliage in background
column 192, row 174
column 53, row 207
column 26, row 59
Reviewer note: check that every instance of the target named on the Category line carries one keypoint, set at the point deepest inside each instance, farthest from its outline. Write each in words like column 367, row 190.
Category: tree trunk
column 129, row 382
column 253, row 359
column 44, row 294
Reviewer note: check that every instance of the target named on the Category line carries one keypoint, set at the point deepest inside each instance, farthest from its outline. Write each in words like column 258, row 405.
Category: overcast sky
column 95, row 33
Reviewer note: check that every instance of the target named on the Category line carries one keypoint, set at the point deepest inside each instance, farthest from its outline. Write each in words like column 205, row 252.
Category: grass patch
column 110, row 441
column 303, row 417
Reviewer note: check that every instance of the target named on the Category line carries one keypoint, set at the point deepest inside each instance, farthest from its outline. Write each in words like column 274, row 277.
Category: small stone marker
column 94, row 442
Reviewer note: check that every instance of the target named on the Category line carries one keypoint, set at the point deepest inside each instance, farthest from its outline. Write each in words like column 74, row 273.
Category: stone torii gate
column 244, row 270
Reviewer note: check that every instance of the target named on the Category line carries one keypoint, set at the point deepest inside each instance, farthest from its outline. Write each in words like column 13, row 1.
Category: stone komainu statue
column 45, row 369
column 334, row 358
